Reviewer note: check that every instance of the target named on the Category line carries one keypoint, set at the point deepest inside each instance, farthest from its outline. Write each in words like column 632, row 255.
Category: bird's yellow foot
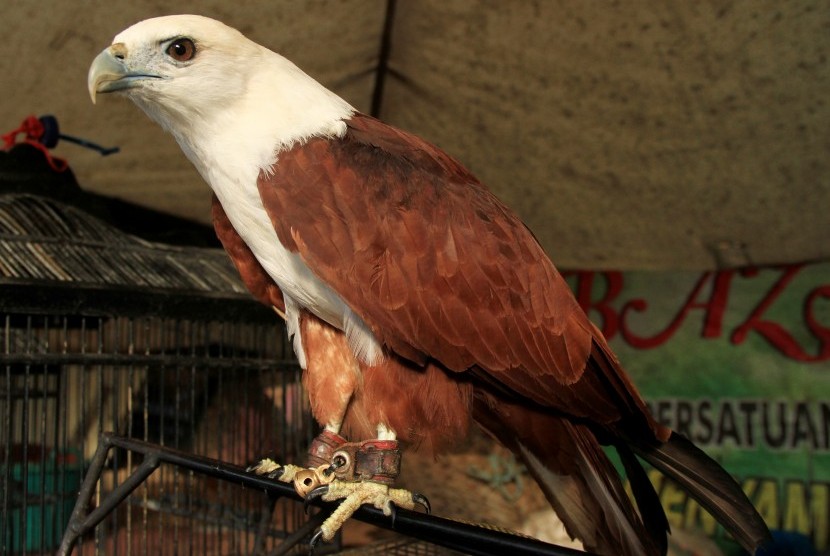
column 354, row 495
column 355, row 472
column 274, row 470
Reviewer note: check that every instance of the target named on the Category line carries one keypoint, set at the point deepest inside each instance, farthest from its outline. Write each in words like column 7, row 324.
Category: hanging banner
column 738, row 361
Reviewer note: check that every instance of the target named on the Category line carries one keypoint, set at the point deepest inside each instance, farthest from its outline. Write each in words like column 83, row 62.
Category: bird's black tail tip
column 713, row 488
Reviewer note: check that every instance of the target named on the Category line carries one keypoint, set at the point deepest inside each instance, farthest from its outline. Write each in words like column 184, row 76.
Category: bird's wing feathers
column 434, row 263
column 250, row 270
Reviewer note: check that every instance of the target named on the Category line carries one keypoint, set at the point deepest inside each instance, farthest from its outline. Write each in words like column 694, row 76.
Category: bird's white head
column 210, row 86
column 176, row 67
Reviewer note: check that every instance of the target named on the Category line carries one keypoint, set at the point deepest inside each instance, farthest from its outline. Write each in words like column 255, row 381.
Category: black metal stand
column 463, row 537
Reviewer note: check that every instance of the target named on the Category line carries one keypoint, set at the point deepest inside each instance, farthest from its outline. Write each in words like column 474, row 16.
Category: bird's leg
column 322, row 448
column 363, row 473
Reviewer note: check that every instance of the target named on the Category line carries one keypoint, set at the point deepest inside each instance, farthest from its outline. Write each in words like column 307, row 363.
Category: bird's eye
column 182, row 50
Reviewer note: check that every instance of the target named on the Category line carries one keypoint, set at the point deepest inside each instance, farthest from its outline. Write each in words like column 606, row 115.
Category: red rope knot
column 34, row 133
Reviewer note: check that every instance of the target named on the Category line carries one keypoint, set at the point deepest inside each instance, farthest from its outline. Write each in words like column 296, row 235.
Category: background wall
column 640, row 135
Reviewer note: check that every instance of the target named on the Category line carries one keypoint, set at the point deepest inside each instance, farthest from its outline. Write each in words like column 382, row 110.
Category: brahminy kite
column 416, row 300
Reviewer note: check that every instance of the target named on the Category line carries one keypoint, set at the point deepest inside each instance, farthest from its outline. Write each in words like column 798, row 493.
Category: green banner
column 738, row 361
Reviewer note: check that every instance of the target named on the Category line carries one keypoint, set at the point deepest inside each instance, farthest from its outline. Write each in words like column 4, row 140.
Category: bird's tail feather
column 651, row 509
column 673, row 455
column 711, row 486
column 579, row 480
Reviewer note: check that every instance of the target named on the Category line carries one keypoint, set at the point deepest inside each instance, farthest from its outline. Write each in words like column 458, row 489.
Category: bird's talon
column 315, row 539
column 422, row 500
column 316, row 493
column 393, row 512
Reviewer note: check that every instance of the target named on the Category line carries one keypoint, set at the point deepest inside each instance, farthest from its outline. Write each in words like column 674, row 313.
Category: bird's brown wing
column 437, row 266
column 253, row 275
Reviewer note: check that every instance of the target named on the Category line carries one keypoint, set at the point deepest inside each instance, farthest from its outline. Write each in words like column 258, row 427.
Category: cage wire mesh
column 103, row 331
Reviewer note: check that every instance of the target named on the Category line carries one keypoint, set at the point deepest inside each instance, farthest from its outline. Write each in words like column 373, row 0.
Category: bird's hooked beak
column 110, row 72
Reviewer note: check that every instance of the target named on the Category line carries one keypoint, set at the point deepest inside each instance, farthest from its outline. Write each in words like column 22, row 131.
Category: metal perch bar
column 463, row 537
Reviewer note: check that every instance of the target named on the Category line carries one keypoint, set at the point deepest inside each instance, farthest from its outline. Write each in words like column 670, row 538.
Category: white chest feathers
column 301, row 288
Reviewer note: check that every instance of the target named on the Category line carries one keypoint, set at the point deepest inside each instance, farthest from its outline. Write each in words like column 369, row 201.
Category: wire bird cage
column 103, row 331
